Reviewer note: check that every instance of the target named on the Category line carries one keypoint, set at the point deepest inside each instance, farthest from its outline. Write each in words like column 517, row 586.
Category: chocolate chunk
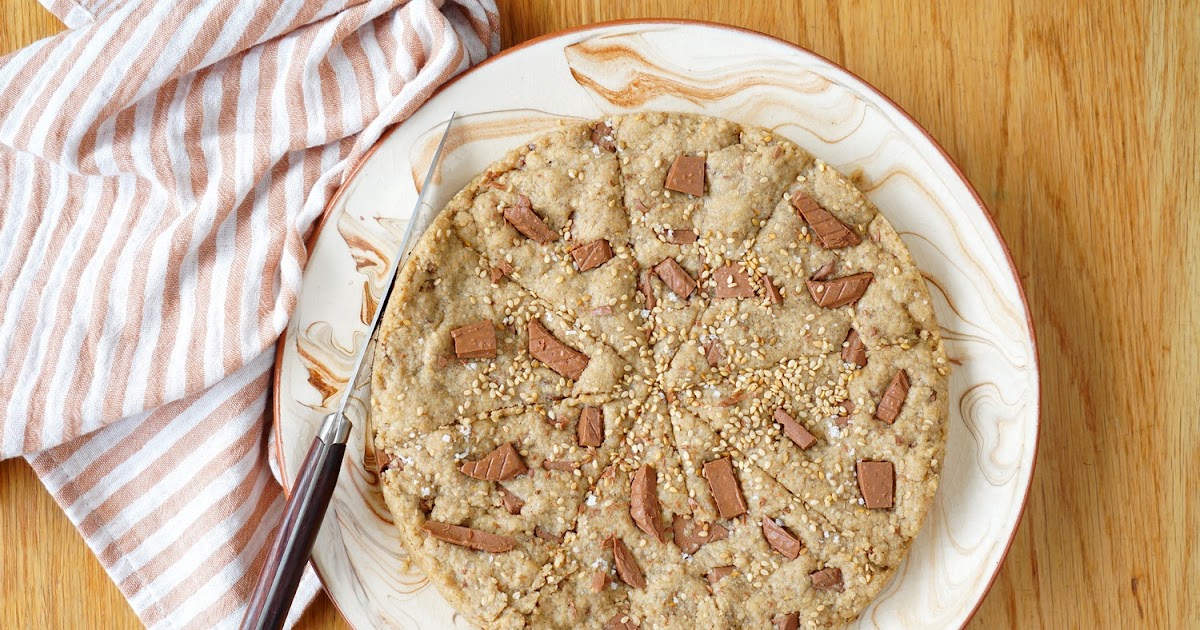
column 790, row 621
column 734, row 399
column 780, row 539
column 829, row 579
column 676, row 277
column 527, row 222
column 690, row 536
column 591, row 255
column 499, row 465
column 600, row 581
column 877, row 483
column 627, row 568
column 847, row 406
column 825, row 271
column 854, row 351
column 620, row 621
column 647, row 290
column 716, row 574
column 554, row 464
column 681, row 236
column 831, row 233
column 475, row 341
column 512, row 503
column 501, row 270
column 732, row 281
column 893, row 398
column 557, row 355
column 470, row 538
column 713, row 352
column 773, row 292
column 842, row 422
column 724, row 486
column 602, row 136
column 840, row 291
column 794, row 430
column 643, row 502
column 590, row 429
column 686, row 175
column 547, row 535
column 425, row 505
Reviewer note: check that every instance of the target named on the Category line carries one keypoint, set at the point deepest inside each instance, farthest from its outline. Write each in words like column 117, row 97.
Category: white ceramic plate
column 721, row 71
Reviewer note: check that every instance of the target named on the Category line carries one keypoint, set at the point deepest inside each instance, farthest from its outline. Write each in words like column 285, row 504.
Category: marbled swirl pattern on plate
column 717, row 71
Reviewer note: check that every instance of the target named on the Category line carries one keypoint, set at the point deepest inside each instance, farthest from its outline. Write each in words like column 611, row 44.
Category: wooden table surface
column 1078, row 127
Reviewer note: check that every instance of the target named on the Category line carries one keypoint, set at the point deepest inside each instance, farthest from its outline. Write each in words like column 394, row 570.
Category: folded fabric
column 161, row 165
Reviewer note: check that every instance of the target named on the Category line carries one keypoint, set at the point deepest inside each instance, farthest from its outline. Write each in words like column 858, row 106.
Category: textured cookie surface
column 659, row 371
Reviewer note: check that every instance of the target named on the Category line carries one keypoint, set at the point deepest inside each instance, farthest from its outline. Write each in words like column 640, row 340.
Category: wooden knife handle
column 285, row 562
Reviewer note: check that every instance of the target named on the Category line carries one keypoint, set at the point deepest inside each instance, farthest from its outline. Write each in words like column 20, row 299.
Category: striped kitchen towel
column 161, row 165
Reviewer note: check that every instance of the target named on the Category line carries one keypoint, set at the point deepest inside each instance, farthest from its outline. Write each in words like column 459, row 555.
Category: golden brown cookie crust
column 677, row 321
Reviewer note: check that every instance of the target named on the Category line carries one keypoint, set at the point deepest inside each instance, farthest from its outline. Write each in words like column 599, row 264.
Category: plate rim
column 987, row 213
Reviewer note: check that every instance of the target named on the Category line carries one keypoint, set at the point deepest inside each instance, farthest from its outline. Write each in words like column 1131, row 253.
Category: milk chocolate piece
column 893, row 398
column 527, row 222
column 600, row 581
column 590, row 428
column 501, row 464
column 734, row 399
column 780, row 539
column 831, row 233
column 681, row 236
column 547, row 535
column 716, row 574
column 643, row 502
column 627, row 568
column 554, row 464
column 602, row 136
column 686, row 175
column 591, row 255
column 620, row 621
column 512, row 503
column 773, row 292
column 557, row 355
column 713, row 352
column 689, row 535
column 847, row 406
column 724, row 486
column 675, row 277
column 825, row 271
column 647, row 289
column 854, row 351
column 470, row 538
column 790, row 621
column 732, row 281
column 501, row 270
column 794, row 430
column 877, row 483
column 475, row 341
column 840, row 291
column 828, row 579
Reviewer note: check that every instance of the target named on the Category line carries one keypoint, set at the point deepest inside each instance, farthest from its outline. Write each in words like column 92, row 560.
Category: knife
column 306, row 507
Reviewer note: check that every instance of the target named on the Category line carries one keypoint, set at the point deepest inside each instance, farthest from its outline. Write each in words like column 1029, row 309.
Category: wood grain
column 1076, row 122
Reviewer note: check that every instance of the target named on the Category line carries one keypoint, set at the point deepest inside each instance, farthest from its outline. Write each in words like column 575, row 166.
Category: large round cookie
column 659, row 370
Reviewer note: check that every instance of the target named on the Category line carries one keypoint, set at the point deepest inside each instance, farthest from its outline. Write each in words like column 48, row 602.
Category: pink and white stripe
column 160, row 167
